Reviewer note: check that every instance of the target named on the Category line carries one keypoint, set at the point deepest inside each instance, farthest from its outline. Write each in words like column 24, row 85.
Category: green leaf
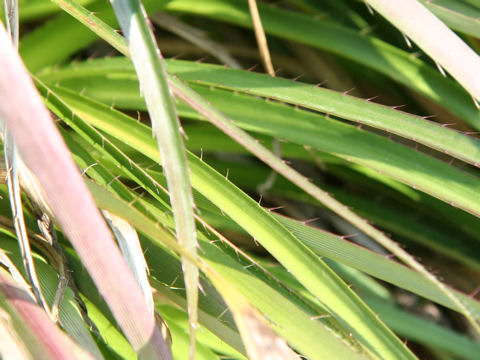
column 150, row 69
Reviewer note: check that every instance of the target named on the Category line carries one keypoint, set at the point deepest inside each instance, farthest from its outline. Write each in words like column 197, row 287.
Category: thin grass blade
column 11, row 157
column 166, row 128
column 261, row 38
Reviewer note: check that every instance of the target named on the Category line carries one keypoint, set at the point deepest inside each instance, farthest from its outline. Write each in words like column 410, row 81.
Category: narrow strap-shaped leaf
column 166, row 128
column 11, row 162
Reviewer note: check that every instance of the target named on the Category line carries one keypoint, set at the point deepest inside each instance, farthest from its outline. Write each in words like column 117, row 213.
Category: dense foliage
column 336, row 203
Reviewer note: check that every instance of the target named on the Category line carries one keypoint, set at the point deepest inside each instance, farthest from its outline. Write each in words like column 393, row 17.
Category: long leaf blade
column 166, row 128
